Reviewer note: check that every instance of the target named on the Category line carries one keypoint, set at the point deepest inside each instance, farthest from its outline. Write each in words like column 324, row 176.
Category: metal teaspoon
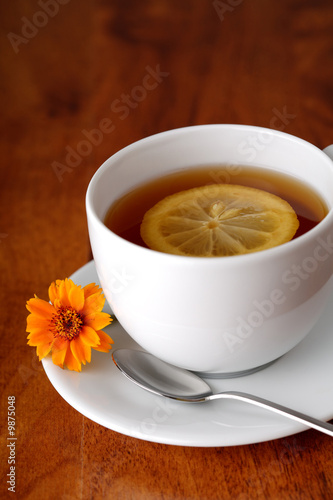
column 166, row 380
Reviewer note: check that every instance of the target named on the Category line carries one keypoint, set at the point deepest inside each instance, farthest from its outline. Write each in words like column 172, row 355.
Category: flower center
column 66, row 323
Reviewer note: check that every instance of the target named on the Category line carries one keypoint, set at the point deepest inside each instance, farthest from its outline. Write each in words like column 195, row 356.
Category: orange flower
column 70, row 325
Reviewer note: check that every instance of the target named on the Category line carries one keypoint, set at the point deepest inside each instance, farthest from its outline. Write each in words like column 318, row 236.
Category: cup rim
column 232, row 259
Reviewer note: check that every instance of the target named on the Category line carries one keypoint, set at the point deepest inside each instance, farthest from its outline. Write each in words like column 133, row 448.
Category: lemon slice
column 218, row 220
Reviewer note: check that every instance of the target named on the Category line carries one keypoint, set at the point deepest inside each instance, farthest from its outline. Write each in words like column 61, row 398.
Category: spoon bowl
column 163, row 379
column 159, row 377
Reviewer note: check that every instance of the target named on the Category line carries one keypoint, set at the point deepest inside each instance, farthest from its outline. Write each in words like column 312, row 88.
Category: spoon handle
column 319, row 425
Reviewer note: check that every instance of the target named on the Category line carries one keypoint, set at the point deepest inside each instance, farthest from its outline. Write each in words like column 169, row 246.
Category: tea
column 125, row 215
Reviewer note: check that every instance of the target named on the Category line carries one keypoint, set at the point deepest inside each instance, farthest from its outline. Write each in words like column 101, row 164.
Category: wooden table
column 69, row 67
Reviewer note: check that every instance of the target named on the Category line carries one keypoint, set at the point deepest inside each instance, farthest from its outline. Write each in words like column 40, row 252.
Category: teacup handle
column 329, row 151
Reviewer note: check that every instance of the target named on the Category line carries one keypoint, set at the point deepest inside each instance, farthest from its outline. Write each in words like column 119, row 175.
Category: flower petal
column 94, row 303
column 59, row 351
column 43, row 350
column 39, row 336
column 40, row 308
column 76, row 297
column 106, row 342
column 98, row 321
column 36, row 322
column 80, row 350
column 89, row 336
column 57, row 304
column 64, row 287
column 90, row 289
column 71, row 362
column 54, row 291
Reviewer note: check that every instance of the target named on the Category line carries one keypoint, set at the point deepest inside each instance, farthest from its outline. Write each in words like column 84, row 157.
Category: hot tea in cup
column 126, row 215
column 218, row 315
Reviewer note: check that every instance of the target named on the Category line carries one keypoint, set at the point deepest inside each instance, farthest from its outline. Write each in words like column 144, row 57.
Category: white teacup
column 225, row 315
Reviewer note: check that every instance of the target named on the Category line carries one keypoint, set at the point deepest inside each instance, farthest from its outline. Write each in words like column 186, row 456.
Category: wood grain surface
column 131, row 69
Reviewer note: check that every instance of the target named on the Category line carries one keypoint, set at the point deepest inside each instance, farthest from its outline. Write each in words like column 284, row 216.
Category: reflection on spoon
column 166, row 380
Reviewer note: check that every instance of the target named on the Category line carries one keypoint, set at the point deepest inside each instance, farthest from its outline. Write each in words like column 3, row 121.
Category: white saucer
column 302, row 379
